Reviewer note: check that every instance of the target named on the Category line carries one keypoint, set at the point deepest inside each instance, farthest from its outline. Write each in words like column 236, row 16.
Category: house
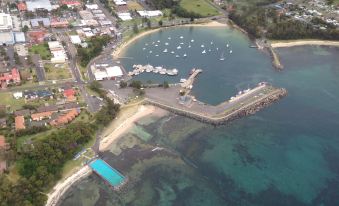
column 38, row 22
column 3, row 145
column 17, row 95
column 51, row 108
column 59, row 23
column 22, row 6
column 75, row 39
column 3, row 122
column 10, row 77
column 41, row 115
column 149, row 14
column 19, row 37
column 37, row 36
column 19, row 123
column 66, row 118
column 70, row 3
column 23, row 112
column 7, row 38
column 106, row 73
column 69, row 92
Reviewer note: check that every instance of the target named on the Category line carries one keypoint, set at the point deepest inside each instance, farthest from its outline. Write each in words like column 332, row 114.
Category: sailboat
column 211, row 42
column 203, row 52
column 165, row 51
column 179, row 47
column 172, row 52
column 146, row 44
column 189, row 45
column 166, row 43
column 157, row 55
column 181, row 37
column 231, row 51
column 185, row 55
column 222, row 58
column 150, row 52
column 177, row 56
column 143, row 48
column 227, row 45
column 202, row 46
column 181, row 43
column 158, row 41
column 169, row 38
column 156, row 45
column 192, row 40
column 217, row 49
column 209, row 50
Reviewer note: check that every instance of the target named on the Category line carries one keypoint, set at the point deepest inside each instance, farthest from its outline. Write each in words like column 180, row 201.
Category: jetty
column 245, row 103
column 188, row 84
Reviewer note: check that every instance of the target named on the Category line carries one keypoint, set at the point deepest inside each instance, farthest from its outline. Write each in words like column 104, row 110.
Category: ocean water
column 286, row 154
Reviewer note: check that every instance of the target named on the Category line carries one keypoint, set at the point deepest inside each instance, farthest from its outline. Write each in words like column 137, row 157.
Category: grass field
column 7, row 99
column 199, row 6
column 57, row 71
column 41, row 49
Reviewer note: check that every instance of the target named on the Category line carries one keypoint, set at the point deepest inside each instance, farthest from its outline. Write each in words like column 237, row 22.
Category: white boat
column 227, row 45
column 175, row 71
column 158, row 41
column 179, row 47
column 211, row 42
column 165, row 51
column 172, row 52
column 222, row 58
column 157, row 55
column 209, row 50
column 192, row 40
column 156, row 45
column 181, row 37
column 169, row 38
column 146, row 44
column 177, row 56
column 217, row 49
column 166, row 43
column 143, row 48
column 189, row 45
column 203, row 52
column 181, row 43
column 150, row 52
column 153, row 42
column 231, row 51
column 202, row 46
column 185, row 55
column 183, row 80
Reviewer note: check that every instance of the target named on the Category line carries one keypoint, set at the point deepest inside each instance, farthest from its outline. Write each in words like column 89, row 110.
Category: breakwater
column 275, row 59
column 225, row 112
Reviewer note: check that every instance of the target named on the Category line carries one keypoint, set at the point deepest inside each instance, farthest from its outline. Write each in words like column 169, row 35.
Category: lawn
column 132, row 5
column 41, row 49
column 57, row 71
column 201, row 7
column 7, row 99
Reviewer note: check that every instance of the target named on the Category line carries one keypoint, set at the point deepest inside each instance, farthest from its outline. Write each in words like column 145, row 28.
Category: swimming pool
column 107, row 172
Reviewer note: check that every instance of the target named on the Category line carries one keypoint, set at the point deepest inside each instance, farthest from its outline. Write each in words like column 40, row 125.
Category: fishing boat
column 165, row 51
column 222, row 58
column 179, row 47
column 203, row 52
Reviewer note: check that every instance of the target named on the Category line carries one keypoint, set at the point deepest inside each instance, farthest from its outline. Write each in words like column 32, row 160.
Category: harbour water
column 286, row 154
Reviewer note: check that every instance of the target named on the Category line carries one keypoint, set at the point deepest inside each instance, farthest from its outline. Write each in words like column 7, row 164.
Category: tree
column 135, row 84
column 135, row 28
column 123, row 84
column 25, row 29
column 160, row 23
column 165, row 85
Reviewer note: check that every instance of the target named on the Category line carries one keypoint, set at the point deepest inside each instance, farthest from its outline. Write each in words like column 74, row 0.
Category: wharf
column 245, row 104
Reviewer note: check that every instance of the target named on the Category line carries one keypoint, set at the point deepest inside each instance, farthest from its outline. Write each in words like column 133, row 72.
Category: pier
column 246, row 103
column 188, row 84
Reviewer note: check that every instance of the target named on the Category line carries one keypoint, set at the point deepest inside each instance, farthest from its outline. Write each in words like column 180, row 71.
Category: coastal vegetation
column 259, row 20
column 95, row 47
column 40, row 164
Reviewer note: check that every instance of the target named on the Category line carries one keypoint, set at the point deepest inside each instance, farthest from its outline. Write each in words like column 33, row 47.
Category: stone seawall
column 248, row 109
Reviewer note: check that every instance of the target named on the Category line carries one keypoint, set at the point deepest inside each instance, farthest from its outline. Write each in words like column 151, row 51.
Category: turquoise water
column 107, row 172
column 286, row 154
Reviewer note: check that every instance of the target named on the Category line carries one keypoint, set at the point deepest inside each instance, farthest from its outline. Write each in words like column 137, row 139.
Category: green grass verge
column 41, row 49
column 201, row 7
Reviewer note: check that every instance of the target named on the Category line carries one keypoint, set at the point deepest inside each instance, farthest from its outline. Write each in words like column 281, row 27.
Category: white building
column 58, row 52
column 149, row 14
column 75, row 39
column 106, row 72
column 125, row 16
column 92, row 6
column 17, row 95
column 33, row 5
column 5, row 22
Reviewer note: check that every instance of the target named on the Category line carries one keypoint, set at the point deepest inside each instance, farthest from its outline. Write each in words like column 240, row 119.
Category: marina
column 138, row 69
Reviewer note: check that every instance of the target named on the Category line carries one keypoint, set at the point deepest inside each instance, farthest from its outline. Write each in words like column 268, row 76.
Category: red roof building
column 37, row 36
column 66, row 118
column 20, row 123
column 10, row 77
column 69, row 92
column 3, row 144
column 22, row 6
column 70, row 3
column 59, row 23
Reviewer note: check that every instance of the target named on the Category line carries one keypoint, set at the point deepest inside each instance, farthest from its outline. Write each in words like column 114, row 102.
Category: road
column 40, row 71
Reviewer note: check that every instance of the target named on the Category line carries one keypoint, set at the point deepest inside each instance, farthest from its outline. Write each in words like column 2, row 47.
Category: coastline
column 123, row 124
column 119, row 50
column 281, row 44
